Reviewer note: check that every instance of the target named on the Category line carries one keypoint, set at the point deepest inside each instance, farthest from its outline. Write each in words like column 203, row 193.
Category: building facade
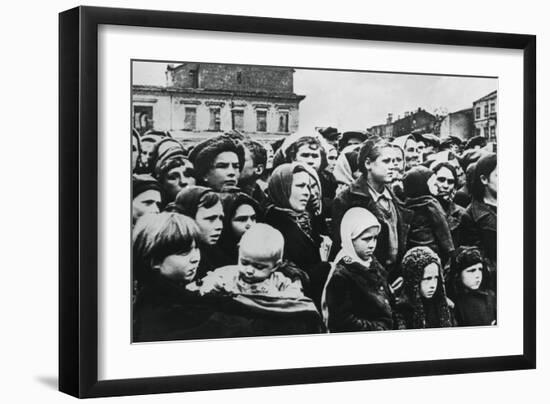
column 202, row 100
column 413, row 121
column 485, row 116
column 459, row 124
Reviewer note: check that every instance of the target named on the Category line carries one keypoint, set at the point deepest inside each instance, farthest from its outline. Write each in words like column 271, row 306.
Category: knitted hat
column 204, row 154
column 142, row 183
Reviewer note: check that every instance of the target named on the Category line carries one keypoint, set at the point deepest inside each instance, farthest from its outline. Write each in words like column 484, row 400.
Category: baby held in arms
column 260, row 269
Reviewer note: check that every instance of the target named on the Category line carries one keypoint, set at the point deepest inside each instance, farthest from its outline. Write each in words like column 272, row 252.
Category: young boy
column 260, row 257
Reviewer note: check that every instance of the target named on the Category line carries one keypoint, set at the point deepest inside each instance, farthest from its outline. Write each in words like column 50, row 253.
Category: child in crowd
column 474, row 304
column 357, row 296
column 424, row 302
column 267, row 296
column 258, row 269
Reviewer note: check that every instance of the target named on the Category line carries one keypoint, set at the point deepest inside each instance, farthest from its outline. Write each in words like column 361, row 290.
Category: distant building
column 384, row 130
column 459, row 124
column 201, row 100
column 413, row 121
column 485, row 116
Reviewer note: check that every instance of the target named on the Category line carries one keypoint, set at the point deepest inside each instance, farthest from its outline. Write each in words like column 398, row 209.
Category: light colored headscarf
column 354, row 223
column 343, row 172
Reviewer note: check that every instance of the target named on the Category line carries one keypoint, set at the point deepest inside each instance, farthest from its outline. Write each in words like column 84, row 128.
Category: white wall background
column 28, row 290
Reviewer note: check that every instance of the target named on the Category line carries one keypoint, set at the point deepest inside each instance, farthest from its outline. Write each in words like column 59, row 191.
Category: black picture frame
column 78, row 200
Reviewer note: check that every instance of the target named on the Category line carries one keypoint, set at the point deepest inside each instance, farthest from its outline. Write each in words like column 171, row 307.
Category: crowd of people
column 315, row 233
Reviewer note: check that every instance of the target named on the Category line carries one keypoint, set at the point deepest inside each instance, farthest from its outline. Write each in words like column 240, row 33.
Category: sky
column 359, row 100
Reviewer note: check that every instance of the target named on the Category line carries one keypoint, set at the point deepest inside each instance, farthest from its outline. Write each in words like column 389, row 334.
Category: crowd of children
column 320, row 232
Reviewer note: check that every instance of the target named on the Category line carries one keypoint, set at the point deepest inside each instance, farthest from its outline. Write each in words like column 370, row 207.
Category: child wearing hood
column 357, row 295
column 423, row 303
column 429, row 226
column 475, row 305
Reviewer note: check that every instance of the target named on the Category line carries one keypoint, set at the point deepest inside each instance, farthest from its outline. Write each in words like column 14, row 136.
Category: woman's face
column 381, row 169
column 178, row 178
column 299, row 191
column 244, row 218
column 444, row 183
column 135, row 152
column 181, row 267
column 210, row 223
column 270, row 154
column 461, row 175
column 397, row 163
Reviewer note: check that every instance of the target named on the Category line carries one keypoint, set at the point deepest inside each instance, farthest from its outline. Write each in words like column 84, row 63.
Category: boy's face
column 428, row 284
column 210, row 223
column 254, row 266
column 224, row 172
column 181, row 267
column 472, row 276
column 310, row 155
column 412, row 154
column 365, row 243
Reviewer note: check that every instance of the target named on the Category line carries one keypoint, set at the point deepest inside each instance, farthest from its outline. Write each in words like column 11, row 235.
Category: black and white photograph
column 281, row 200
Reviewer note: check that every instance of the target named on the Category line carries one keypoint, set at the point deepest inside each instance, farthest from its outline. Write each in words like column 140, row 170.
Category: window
column 283, row 121
column 493, row 132
column 237, row 120
column 492, row 107
column 240, row 77
column 190, row 119
column 478, row 112
column 478, row 132
column 143, row 118
column 215, row 124
column 486, row 110
column 194, row 78
column 485, row 132
column 261, row 121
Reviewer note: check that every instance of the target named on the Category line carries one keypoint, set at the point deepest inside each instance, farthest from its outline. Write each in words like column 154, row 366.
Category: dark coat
column 456, row 217
column 480, row 230
column 164, row 310
column 429, row 227
column 212, row 257
column 475, row 308
column 301, row 249
column 358, row 298
column 358, row 195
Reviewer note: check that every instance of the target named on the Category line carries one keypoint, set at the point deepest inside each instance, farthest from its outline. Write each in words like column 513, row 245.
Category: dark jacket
column 301, row 249
column 358, row 195
column 456, row 216
column 475, row 308
column 212, row 257
column 358, row 298
column 164, row 310
column 429, row 227
column 480, row 229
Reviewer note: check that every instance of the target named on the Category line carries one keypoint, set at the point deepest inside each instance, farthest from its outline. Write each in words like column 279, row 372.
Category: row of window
column 490, row 132
column 485, row 110
column 237, row 120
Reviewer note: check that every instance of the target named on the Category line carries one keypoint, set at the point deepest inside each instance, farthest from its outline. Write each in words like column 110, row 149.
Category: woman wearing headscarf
column 429, row 227
column 289, row 193
column 424, row 302
column 357, row 295
column 240, row 213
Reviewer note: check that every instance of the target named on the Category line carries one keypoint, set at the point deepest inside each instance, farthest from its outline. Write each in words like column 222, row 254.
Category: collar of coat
column 481, row 211
column 360, row 187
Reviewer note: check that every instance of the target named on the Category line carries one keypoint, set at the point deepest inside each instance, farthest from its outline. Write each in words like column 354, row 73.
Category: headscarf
column 415, row 182
column 354, row 223
column 187, row 200
column 346, row 164
column 413, row 265
column 279, row 190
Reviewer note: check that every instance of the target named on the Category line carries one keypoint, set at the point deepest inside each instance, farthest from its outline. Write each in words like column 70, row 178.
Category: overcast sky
column 358, row 100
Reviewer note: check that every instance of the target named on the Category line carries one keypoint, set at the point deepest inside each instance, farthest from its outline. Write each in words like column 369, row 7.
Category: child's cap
column 465, row 257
